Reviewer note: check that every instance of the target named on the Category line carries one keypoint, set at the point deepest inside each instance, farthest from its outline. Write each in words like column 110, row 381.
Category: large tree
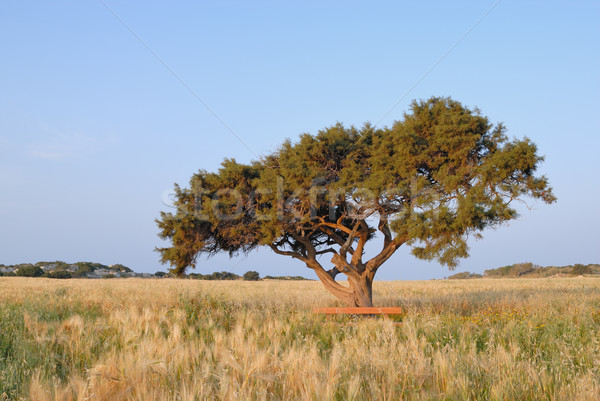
column 429, row 181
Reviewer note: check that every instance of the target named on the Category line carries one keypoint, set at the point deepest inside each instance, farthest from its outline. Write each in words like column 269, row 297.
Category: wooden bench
column 372, row 310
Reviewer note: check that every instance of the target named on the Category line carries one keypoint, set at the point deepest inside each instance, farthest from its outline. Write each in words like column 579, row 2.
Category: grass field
column 136, row 339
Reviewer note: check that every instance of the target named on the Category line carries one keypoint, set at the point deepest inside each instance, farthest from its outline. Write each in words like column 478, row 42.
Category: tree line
column 531, row 270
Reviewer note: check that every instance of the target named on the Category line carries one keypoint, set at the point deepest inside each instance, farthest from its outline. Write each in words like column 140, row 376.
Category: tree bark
column 358, row 293
column 362, row 290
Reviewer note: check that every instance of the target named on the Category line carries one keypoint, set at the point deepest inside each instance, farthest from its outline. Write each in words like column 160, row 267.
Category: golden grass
column 147, row 339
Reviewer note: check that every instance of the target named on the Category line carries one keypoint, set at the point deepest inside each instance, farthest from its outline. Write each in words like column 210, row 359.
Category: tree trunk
column 358, row 293
column 362, row 290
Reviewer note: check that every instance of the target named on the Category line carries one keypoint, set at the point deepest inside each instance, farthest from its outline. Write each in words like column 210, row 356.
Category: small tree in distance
column 29, row 271
column 429, row 181
column 251, row 276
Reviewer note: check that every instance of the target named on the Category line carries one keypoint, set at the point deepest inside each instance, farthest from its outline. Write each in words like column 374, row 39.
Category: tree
column 120, row 268
column 580, row 270
column 441, row 174
column 83, row 269
column 62, row 274
column 29, row 271
column 251, row 276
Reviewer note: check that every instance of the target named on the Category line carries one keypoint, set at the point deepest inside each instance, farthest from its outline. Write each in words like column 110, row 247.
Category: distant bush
column 516, row 270
column 214, row 276
column 29, row 271
column 83, row 269
column 120, row 267
column 251, row 276
column 62, row 274
column 160, row 274
column 464, row 275
column 293, row 278
column 58, row 265
column 580, row 270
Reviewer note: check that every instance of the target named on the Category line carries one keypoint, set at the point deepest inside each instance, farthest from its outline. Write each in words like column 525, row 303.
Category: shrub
column 580, row 270
column 29, row 271
column 464, row 275
column 59, row 274
column 251, row 276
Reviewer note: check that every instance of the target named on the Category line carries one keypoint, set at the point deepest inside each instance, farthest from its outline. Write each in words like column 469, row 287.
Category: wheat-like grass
column 167, row 339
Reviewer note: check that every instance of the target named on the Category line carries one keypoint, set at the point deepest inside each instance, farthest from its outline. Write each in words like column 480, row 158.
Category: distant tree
column 62, row 274
column 580, row 270
column 251, row 276
column 120, row 267
column 222, row 276
column 464, row 275
column 291, row 278
column 90, row 266
column 83, row 269
column 516, row 270
column 29, row 271
column 160, row 274
column 429, row 181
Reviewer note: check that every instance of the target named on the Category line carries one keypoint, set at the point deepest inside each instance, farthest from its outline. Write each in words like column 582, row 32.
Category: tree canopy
column 431, row 180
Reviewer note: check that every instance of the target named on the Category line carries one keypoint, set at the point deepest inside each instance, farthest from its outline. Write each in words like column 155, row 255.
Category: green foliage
column 432, row 179
column 530, row 270
column 119, row 267
column 516, row 270
column 83, row 270
column 160, row 274
column 90, row 266
column 29, row 271
column 580, row 270
column 59, row 269
column 464, row 275
column 251, row 276
column 59, row 274
column 215, row 276
column 291, row 278
column 60, row 265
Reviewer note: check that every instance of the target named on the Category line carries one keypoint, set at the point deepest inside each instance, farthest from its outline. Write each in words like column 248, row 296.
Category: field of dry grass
column 136, row 339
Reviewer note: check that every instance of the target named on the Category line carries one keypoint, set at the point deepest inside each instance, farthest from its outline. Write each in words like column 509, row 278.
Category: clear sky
column 104, row 105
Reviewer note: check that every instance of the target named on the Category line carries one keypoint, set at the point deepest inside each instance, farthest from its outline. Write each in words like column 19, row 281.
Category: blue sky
column 95, row 129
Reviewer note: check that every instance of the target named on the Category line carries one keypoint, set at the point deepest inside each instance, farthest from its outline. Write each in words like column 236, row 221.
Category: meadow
column 169, row 339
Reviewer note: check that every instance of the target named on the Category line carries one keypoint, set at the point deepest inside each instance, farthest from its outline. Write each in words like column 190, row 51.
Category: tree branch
column 338, row 225
column 309, row 248
column 328, row 280
column 341, row 263
column 349, row 240
column 362, row 240
column 384, row 228
column 333, row 272
column 287, row 253
column 387, row 251
column 338, row 239
column 328, row 250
